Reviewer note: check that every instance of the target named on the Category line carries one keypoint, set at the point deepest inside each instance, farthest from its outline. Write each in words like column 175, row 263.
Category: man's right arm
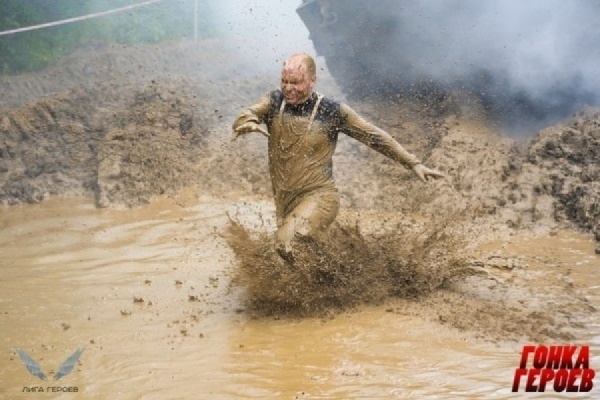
column 249, row 120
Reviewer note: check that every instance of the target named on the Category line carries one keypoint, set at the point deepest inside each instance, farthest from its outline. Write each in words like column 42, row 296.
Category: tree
column 26, row 51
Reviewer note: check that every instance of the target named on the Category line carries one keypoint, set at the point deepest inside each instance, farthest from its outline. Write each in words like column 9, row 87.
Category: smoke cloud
column 526, row 60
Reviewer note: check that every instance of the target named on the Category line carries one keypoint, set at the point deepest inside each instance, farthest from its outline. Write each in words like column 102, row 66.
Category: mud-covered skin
column 301, row 151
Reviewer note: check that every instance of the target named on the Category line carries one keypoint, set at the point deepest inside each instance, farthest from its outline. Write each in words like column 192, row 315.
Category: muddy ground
column 123, row 126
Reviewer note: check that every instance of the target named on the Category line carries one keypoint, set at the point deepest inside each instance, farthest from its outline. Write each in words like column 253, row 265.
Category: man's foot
column 287, row 256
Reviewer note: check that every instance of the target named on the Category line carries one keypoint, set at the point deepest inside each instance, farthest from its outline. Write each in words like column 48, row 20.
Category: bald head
column 301, row 61
column 298, row 77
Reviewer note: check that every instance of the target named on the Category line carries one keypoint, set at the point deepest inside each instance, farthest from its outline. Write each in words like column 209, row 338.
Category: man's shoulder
column 275, row 95
column 330, row 102
column 329, row 107
column 275, row 98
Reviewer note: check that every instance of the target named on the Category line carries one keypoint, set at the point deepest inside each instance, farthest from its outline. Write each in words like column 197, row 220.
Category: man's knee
column 318, row 216
column 284, row 234
column 311, row 216
column 304, row 228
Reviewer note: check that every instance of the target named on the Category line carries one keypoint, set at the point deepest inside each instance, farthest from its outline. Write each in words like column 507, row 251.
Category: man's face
column 296, row 83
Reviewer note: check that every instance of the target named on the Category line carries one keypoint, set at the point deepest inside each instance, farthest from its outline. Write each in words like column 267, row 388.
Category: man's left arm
column 380, row 141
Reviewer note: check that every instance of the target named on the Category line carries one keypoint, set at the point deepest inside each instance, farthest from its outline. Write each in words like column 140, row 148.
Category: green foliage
column 31, row 50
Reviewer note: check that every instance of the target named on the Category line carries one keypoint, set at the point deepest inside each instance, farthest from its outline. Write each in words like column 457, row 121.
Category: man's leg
column 314, row 212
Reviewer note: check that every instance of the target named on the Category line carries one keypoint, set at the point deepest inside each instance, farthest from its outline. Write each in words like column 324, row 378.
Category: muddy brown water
column 147, row 293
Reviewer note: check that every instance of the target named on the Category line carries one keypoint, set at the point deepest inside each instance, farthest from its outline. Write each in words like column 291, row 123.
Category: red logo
column 564, row 368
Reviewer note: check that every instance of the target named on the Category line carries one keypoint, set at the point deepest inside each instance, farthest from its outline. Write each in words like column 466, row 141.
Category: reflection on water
column 147, row 292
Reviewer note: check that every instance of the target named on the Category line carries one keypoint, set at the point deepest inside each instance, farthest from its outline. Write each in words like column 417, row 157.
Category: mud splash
column 345, row 267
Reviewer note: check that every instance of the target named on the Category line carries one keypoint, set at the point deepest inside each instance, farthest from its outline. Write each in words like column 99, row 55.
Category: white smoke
column 541, row 52
column 536, row 43
column 266, row 31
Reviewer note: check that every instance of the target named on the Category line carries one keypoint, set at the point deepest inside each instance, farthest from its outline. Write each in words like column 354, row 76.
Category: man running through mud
column 302, row 130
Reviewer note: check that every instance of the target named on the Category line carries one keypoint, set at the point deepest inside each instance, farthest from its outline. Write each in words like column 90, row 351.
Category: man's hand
column 247, row 127
column 425, row 174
